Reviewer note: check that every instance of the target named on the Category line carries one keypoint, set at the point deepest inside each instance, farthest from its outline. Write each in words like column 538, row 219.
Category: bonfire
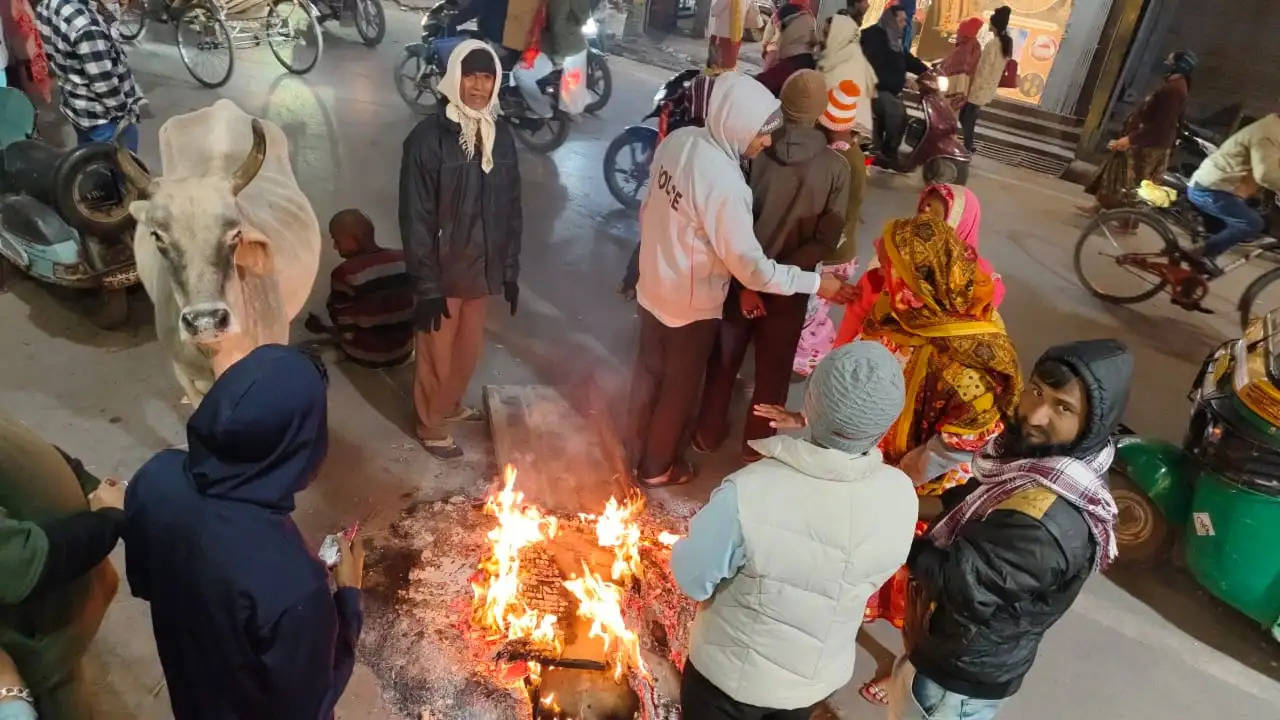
column 558, row 594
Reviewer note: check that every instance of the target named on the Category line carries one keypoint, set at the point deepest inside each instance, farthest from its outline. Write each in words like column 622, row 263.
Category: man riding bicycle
column 1246, row 162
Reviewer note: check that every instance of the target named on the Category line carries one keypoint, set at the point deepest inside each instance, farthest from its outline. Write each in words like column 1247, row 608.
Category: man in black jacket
column 882, row 44
column 460, row 222
column 1018, row 542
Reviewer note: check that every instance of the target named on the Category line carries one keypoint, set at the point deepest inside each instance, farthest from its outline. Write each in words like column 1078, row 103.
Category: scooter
column 931, row 139
column 64, row 214
column 1220, row 490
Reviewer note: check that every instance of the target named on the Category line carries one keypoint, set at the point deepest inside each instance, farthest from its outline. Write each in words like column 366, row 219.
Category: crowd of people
column 933, row 486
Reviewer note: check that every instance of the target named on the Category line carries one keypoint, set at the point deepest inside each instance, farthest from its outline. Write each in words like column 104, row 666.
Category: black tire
column 290, row 23
column 599, row 80
column 1143, row 535
column 410, row 91
column 643, row 140
column 945, row 171
column 371, row 21
column 1122, row 217
column 1252, row 293
column 215, row 32
column 91, row 193
column 132, row 20
column 540, row 141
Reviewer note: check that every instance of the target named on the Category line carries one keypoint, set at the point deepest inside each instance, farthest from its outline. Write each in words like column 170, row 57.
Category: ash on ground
column 419, row 641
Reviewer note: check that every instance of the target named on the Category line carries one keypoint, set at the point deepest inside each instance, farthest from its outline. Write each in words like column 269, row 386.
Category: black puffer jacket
column 1007, row 578
column 891, row 66
column 460, row 226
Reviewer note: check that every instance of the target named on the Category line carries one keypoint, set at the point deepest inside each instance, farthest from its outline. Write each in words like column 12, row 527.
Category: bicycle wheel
column 132, row 19
column 205, row 46
column 1261, row 297
column 294, row 35
column 1116, row 253
column 371, row 21
column 599, row 81
column 416, row 82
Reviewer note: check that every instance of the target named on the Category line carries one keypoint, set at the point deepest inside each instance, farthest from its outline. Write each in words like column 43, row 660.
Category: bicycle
column 1142, row 241
column 210, row 31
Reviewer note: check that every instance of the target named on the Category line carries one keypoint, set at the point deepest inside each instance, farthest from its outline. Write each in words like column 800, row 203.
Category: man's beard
column 1016, row 445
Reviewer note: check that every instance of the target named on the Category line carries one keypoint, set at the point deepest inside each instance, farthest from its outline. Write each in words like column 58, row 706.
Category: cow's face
column 193, row 226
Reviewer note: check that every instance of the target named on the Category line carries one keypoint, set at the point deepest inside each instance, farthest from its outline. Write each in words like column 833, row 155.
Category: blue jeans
column 104, row 133
column 913, row 696
column 1242, row 222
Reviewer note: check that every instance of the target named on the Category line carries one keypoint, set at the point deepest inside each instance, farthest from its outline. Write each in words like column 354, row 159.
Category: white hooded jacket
column 841, row 59
column 696, row 224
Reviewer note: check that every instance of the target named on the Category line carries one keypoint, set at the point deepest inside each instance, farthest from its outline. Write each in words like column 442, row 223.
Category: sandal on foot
column 464, row 414
column 873, row 693
column 679, row 474
column 445, row 449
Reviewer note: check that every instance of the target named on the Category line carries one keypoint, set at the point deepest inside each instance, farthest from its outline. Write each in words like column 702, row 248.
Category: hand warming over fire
column 349, row 572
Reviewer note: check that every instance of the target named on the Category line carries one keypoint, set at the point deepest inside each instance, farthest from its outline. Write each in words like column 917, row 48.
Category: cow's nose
column 199, row 321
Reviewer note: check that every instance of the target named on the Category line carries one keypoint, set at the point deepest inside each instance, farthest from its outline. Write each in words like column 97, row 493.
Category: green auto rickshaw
column 1221, row 488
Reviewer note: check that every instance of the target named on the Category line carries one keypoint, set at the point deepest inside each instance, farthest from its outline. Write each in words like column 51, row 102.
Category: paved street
column 1135, row 646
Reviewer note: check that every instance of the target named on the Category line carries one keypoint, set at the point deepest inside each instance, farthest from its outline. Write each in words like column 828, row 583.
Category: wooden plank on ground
column 567, row 462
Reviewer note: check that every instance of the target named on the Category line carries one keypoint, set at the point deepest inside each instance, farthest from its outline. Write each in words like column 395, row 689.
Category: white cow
column 227, row 245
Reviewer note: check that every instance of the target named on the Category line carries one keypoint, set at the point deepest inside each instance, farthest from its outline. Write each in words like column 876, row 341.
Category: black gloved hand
column 429, row 314
column 511, row 291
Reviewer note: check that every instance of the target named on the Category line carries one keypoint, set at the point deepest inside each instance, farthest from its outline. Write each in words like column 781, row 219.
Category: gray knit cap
column 854, row 395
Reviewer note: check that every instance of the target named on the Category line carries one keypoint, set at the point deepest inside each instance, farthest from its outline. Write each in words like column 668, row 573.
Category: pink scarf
column 964, row 214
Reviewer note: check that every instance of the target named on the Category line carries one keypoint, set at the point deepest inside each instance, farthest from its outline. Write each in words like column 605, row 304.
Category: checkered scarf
column 1079, row 482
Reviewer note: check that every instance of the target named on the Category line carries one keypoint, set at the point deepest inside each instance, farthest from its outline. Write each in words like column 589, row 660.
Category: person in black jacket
column 243, row 617
column 460, row 222
column 1018, row 542
column 883, row 46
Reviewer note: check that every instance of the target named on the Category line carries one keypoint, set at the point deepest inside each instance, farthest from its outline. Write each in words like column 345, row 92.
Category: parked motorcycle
column 1220, row 491
column 931, row 139
column 629, row 155
column 370, row 19
column 64, row 214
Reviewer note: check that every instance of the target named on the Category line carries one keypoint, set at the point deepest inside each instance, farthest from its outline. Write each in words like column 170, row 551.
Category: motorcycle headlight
column 590, row 30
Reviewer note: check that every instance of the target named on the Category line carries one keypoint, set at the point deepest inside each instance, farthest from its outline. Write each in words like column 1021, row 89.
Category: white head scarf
column 472, row 122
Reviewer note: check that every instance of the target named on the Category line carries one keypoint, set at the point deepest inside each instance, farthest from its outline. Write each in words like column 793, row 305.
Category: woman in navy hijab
column 241, row 608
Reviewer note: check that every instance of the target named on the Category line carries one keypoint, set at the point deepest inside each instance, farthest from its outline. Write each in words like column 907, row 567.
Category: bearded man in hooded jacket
column 1018, row 541
column 696, row 235
column 460, row 223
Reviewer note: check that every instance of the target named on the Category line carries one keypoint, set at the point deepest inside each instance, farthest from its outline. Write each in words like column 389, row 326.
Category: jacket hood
column 819, row 462
column 842, row 33
column 1106, row 369
column 796, row 144
column 261, row 433
column 738, row 109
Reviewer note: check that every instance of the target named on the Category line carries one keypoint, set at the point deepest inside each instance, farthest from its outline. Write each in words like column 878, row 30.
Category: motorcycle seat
column 28, row 220
column 28, row 167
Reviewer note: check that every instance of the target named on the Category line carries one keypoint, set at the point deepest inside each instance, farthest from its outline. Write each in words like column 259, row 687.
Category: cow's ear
column 138, row 209
column 253, row 257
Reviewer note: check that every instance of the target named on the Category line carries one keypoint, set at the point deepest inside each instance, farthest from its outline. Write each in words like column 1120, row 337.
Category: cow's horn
column 133, row 172
column 248, row 169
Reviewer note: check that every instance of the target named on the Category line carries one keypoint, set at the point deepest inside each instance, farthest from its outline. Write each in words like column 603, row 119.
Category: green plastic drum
column 1232, row 538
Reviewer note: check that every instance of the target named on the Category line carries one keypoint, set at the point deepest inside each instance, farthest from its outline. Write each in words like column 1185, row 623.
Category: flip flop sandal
column 874, row 694
column 465, row 414
column 445, row 449
column 680, row 474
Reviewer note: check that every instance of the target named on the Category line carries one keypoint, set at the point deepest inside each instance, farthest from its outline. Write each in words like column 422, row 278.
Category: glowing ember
column 505, row 615
column 668, row 539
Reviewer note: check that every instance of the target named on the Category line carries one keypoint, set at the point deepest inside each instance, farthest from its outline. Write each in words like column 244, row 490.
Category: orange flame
column 600, row 601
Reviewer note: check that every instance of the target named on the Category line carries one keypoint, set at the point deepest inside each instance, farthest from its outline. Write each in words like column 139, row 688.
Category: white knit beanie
column 854, row 395
column 842, row 106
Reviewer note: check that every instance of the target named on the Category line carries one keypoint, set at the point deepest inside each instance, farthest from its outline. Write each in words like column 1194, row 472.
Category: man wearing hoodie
column 696, row 235
column 460, row 224
column 786, row 552
column 1019, row 540
column 799, row 187
column 241, row 608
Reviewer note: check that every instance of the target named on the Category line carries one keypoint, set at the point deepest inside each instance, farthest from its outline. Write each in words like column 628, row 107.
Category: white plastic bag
column 574, row 95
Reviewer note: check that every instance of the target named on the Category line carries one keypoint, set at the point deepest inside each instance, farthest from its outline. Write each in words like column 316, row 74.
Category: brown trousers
column 446, row 360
